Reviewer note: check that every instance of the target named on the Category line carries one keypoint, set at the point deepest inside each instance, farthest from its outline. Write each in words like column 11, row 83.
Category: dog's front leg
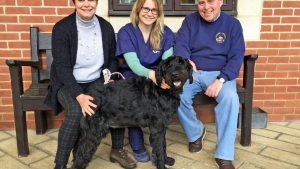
column 158, row 147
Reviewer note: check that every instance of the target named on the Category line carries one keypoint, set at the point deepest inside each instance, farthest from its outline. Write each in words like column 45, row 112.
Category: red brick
column 270, row 20
column 17, row 10
column 269, row 36
column 29, row 3
column 49, row 11
column 257, row 44
column 295, row 44
column 279, row 44
column 65, row 11
column 264, row 81
column 292, row 4
column 293, row 103
column 4, row 77
column 275, row 89
column 295, row 59
column 265, row 67
column 289, row 52
column 267, row 52
column 25, row 36
column 3, row 44
column 284, row 111
column 267, row 12
column 8, row 125
column 261, row 59
column 8, row 19
column 5, row 85
column 292, row 117
column 2, row 28
column 297, row 111
column 276, row 74
column 265, row 28
column 6, row 108
column 285, row 96
column 286, row 81
column 290, row 20
column 258, row 89
column 272, row 4
column 54, row 123
column 18, row 27
column 9, row 36
column 268, row 110
column 294, row 74
column 8, row 117
column 278, row 59
column 285, row 36
column 30, row 124
column 56, row 2
column 248, row 52
column 31, row 19
column 275, row 118
column 53, row 19
column 1, row 10
column 293, row 89
column 297, row 12
column 263, row 96
column 298, row 95
column 259, row 74
column 26, row 53
column 10, row 53
column 287, row 67
column 283, row 12
column 19, row 44
column 45, row 28
column 207, row 119
column 202, row 112
column 7, row 2
column 4, row 69
column 5, row 93
column 257, row 103
column 274, row 103
column 282, row 28
column 296, row 27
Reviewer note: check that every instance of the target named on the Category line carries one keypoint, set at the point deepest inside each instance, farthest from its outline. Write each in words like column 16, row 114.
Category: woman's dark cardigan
column 64, row 52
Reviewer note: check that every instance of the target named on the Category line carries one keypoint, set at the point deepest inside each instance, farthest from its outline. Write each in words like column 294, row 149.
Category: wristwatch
column 221, row 80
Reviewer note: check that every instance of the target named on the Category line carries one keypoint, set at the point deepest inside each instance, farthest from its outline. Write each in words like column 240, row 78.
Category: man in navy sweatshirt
column 214, row 43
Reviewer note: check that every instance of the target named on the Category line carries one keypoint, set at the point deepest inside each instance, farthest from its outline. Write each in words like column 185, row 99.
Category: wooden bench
column 32, row 99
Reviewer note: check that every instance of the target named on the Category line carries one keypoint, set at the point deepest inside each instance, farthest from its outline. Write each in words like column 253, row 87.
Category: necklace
column 86, row 43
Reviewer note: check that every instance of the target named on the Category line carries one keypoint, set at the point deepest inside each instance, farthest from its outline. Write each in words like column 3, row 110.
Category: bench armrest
column 22, row 63
column 249, row 64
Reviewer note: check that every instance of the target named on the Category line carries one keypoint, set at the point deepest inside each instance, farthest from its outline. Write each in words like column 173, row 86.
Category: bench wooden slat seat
column 32, row 99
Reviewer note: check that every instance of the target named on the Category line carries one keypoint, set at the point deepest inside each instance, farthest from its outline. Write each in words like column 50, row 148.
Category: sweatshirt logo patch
column 220, row 37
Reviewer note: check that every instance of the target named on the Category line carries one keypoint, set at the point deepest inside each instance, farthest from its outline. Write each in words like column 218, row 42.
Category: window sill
column 167, row 13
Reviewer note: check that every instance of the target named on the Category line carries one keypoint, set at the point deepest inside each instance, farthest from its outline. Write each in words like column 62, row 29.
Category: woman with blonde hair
column 142, row 44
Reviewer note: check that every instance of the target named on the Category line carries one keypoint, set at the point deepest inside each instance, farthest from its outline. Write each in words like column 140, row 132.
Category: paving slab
column 282, row 129
column 281, row 155
column 8, row 162
column 4, row 135
column 33, row 138
column 290, row 139
column 265, row 133
column 295, row 125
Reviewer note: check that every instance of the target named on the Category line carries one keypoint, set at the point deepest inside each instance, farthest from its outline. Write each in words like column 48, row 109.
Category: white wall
column 249, row 14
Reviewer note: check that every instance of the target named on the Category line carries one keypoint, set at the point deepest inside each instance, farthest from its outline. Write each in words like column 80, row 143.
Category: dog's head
column 175, row 70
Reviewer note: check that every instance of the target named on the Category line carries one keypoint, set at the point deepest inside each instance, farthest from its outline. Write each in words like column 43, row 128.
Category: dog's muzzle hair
column 136, row 101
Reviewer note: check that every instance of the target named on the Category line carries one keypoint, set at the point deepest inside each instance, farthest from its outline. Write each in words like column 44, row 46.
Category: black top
column 64, row 52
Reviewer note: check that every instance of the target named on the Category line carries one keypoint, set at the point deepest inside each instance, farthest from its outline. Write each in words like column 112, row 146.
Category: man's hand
column 214, row 88
column 85, row 103
column 151, row 76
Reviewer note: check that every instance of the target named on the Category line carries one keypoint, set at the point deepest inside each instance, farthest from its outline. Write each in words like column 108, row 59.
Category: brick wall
column 277, row 75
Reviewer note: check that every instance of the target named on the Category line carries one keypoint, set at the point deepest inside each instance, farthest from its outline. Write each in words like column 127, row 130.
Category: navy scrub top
column 131, row 39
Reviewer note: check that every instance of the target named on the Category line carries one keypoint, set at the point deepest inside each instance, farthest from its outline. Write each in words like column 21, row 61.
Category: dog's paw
column 170, row 161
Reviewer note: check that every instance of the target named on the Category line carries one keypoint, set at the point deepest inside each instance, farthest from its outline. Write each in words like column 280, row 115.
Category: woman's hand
column 151, row 76
column 85, row 103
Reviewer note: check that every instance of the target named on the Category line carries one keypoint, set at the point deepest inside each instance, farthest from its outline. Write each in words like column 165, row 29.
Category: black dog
column 139, row 102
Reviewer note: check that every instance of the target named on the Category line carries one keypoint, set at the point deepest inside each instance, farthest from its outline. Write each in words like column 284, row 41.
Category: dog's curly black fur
column 136, row 101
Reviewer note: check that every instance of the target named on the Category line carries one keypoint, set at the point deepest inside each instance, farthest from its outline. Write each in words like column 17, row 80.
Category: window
column 171, row 7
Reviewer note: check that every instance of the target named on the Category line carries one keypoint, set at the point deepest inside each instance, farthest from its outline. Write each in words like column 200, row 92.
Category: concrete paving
column 274, row 147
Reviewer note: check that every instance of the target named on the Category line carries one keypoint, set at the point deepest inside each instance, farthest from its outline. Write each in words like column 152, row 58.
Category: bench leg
column 40, row 121
column 21, row 133
column 246, row 124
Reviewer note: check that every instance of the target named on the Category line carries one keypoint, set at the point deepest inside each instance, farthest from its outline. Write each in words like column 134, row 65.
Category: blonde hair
column 157, row 30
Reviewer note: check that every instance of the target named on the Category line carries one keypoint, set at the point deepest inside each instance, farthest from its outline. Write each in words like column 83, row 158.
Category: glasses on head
column 202, row 3
column 153, row 11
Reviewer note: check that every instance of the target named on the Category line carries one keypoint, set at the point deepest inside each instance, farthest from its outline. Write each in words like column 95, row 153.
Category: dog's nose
column 175, row 74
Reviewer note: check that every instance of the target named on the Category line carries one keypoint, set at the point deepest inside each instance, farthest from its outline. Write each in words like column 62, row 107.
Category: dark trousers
column 136, row 138
column 69, row 130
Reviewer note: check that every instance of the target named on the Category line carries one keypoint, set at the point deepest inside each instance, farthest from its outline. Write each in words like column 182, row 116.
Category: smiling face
column 209, row 9
column 86, row 9
column 147, row 18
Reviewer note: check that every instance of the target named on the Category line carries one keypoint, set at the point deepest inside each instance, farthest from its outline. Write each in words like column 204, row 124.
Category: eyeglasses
column 153, row 11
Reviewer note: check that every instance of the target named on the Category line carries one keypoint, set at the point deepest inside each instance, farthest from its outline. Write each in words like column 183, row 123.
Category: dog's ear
column 190, row 70
column 159, row 73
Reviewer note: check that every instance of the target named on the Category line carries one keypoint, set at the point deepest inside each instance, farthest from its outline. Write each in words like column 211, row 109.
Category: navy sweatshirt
column 212, row 46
